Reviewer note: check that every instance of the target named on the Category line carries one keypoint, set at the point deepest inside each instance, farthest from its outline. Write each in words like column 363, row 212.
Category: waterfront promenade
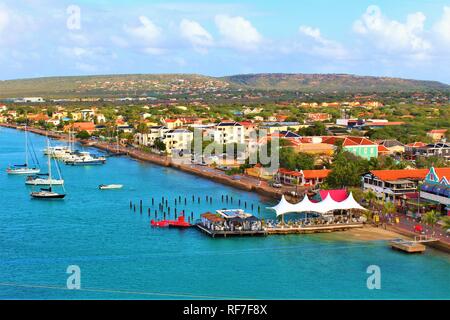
column 240, row 181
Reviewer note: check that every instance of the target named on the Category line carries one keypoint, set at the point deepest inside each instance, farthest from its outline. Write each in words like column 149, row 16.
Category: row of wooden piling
column 163, row 207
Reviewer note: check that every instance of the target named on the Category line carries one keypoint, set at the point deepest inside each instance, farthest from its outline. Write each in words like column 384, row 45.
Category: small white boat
column 110, row 186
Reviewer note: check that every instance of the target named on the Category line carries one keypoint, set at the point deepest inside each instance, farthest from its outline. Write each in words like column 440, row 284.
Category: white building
column 177, row 139
column 228, row 132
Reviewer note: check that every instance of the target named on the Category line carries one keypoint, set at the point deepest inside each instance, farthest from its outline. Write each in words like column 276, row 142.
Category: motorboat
column 179, row 223
column 110, row 186
column 84, row 158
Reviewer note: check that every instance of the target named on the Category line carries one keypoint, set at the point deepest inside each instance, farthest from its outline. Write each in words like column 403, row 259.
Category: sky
column 402, row 38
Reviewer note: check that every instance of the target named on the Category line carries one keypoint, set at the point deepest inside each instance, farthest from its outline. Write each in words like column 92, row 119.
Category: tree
column 431, row 218
column 83, row 135
column 347, row 170
column 159, row 144
column 142, row 128
column 388, row 208
column 370, row 197
column 446, row 223
column 291, row 160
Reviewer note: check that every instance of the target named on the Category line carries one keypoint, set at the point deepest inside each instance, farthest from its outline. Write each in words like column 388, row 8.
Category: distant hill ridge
column 100, row 85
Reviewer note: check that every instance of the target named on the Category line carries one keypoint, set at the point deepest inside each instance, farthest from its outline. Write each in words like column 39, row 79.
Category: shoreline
column 211, row 174
column 366, row 233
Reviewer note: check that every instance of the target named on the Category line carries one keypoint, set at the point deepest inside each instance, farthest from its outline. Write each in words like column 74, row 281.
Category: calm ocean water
column 122, row 257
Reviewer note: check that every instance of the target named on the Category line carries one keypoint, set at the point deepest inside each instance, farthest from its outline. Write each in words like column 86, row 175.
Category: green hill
column 164, row 84
column 333, row 82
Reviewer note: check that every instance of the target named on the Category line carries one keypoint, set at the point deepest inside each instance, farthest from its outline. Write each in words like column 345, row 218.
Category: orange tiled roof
column 438, row 131
column 442, row 172
column 88, row 126
column 392, row 175
column 357, row 141
column 382, row 149
column 308, row 174
column 416, row 144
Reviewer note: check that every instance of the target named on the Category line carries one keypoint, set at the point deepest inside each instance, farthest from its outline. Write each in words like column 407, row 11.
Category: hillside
column 167, row 84
column 333, row 82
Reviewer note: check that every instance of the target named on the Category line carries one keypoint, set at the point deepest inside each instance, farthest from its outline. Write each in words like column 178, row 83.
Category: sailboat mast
column 26, row 142
column 49, row 165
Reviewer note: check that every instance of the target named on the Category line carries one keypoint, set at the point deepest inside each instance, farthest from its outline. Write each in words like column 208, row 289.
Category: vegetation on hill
column 191, row 86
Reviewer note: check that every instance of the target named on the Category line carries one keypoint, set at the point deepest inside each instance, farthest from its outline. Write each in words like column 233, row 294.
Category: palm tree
column 431, row 218
column 370, row 197
column 389, row 208
column 446, row 223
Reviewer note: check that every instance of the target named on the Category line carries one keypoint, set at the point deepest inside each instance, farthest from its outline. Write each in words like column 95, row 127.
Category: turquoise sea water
column 122, row 257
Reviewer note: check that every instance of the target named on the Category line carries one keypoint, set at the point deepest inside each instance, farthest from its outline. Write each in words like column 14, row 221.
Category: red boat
column 179, row 223
column 159, row 224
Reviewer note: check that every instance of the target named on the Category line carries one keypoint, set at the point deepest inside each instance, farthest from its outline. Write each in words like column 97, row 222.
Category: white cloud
column 320, row 45
column 147, row 34
column 196, row 35
column 442, row 27
column 4, row 18
column 238, row 32
column 393, row 36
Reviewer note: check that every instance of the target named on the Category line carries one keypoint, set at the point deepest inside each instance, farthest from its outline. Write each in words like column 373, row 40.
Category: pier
column 229, row 233
column 411, row 246
column 312, row 229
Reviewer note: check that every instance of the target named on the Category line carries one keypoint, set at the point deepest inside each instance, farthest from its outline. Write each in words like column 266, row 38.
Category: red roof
column 383, row 149
column 88, row 126
column 442, row 172
column 392, row 175
column 416, row 144
column 307, row 174
column 337, row 195
column 438, row 131
column 357, row 141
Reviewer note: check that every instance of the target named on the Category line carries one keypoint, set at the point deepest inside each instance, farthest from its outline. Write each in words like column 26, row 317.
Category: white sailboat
column 23, row 168
column 48, row 193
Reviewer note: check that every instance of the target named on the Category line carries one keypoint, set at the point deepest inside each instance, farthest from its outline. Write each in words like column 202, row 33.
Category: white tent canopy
column 306, row 205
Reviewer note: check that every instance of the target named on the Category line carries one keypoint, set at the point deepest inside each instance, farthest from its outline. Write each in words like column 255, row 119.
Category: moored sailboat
column 19, row 169
column 48, row 193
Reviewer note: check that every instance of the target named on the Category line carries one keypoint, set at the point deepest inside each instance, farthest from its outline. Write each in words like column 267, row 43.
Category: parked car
column 277, row 185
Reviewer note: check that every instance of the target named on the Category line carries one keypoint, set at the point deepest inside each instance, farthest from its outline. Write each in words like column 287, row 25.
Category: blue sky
column 403, row 38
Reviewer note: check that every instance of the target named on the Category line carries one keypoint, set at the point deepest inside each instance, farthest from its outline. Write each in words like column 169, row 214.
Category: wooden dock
column 411, row 246
column 313, row 229
column 224, row 234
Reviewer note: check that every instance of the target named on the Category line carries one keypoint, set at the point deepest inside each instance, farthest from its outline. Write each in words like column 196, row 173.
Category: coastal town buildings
column 227, row 132
column 437, row 134
column 304, row 178
column 436, row 188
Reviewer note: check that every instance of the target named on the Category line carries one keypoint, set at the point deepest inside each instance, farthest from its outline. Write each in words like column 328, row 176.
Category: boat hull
column 44, row 182
column 40, row 195
column 22, row 171
column 85, row 163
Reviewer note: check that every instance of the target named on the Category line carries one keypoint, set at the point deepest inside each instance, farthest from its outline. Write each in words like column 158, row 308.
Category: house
column 359, row 146
column 436, row 188
column 392, row 145
column 228, row 132
column 87, row 114
column 315, row 117
column 172, row 123
column 177, row 139
column 38, row 117
column 441, row 150
column 437, row 134
column 81, row 126
column 380, row 124
column 306, row 178
column 100, row 118
column 148, row 139
column 391, row 185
